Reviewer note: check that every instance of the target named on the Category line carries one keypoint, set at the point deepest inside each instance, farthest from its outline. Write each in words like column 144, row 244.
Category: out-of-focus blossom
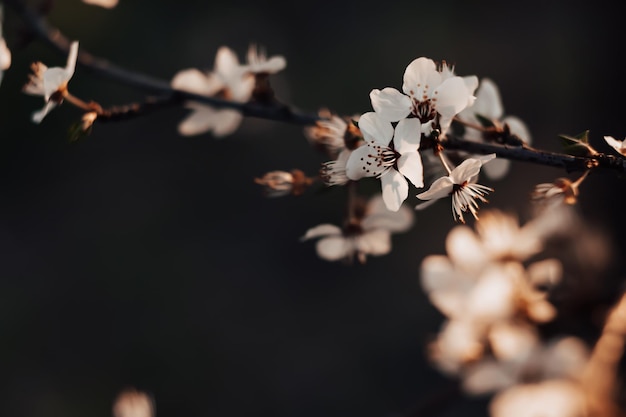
column 107, row 4
column 561, row 191
column 51, row 83
column 133, row 403
column 229, row 80
column 459, row 185
column 5, row 53
column 433, row 95
column 281, row 183
column 367, row 233
column 618, row 145
column 390, row 155
column 488, row 105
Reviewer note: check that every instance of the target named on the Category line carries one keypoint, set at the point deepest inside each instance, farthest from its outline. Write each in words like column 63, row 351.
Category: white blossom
column 362, row 236
column 432, row 95
column 390, row 155
column 51, row 83
column 488, row 105
column 328, row 134
column 459, row 185
column 229, row 80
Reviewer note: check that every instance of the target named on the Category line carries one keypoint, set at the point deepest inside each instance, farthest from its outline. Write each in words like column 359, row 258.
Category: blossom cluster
column 493, row 293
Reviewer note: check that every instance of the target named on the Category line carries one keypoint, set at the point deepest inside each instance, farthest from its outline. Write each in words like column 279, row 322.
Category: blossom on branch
column 368, row 232
column 51, row 83
column 389, row 154
column 618, row 145
column 488, row 107
column 461, row 186
column 432, row 95
column 229, row 80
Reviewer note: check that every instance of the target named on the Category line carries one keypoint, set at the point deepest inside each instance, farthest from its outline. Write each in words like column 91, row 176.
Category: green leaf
column 577, row 145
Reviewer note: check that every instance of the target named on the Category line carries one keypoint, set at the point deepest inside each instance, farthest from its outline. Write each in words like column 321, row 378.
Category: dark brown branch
column 569, row 163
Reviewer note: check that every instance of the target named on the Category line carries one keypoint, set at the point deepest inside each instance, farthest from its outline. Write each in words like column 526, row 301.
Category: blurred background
column 137, row 257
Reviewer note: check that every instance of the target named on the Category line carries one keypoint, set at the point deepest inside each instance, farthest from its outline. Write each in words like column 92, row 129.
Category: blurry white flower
column 488, row 105
column 229, row 80
column 618, row 145
column 133, row 403
column 433, row 96
column 389, row 155
column 51, row 83
column 107, row 4
column 368, row 233
column 459, row 185
column 258, row 63
column 5, row 53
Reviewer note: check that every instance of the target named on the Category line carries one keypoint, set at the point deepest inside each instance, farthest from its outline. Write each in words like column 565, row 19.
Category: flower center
column 380, row 160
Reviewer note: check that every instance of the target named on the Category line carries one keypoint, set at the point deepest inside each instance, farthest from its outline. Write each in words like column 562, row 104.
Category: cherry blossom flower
column 367, row 233
column 328, row 134
column 390, row 155
column 51, row 83
column 459, row 184
column 488, row 105
column 107, row 4
column 432, row 95
column 618, row 145
column 5, row 53
column 229, row 80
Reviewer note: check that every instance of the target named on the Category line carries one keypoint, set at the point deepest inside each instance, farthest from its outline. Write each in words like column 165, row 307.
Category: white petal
column 441, row 188
column 241, row 87
column 72, row 56
column 226, row 62
column 547, row 272
column 274, row 65
column 465, row 249
column 195, row 81
column 421, row 73
column 493, row 297
column 446, row 287
column 452, row 97
column 512, row 341
column 334, row 248
column 468, row 169
column 38, row 116
column 5, row 55
column 356, row 167
column 615, row 144
column 375, row 242
column 322, row 230
column 395, row 189
column 53, row 79
column 201, row 120
column 410, row 165
column 497, row 169
column 379, row 217
column 487, row 376
column 226, row 122
column 488, row 103
column 390, row 104
column 375, row 129
column 407, row 135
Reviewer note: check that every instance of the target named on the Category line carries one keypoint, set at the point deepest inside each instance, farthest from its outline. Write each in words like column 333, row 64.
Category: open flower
column 459, row 185
column 389, row 155
column 51, row 83
column 432, row 95
column 229, row 80
column 367, row 233
column 488, row 105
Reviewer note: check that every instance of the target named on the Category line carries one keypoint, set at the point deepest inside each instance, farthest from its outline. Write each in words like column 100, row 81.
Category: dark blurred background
column 137, row 257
